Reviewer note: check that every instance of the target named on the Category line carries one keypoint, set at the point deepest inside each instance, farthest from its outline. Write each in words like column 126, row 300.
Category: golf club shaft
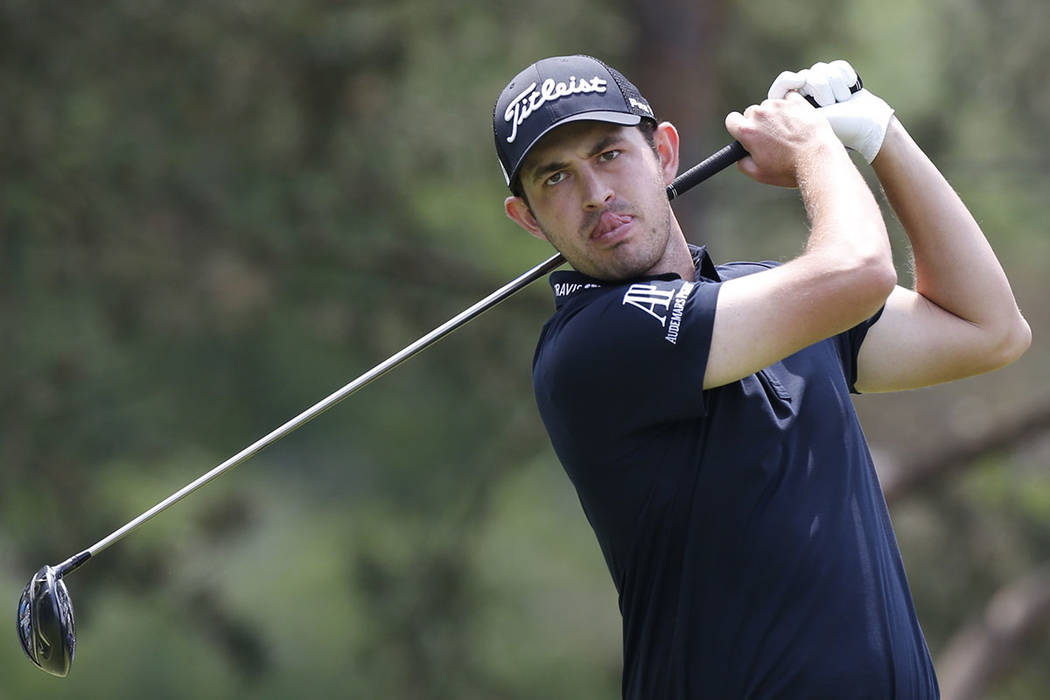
column 715, row 163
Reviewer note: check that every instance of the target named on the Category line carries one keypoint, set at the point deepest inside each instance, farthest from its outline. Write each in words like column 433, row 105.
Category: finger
column 834, row 78
column 747, row 166
column 841, row 80
column 796, row 97
column 734, row 124
column 785, row 82
column 846, row 70
column 818, row 86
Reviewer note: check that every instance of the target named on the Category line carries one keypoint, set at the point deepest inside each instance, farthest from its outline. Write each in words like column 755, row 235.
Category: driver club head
column 45, row 622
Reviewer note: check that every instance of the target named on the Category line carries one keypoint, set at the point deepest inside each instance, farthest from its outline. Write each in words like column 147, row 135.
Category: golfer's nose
column 597, row 189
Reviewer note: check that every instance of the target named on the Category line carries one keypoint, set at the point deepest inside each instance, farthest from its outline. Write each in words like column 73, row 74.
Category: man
column 703, row 411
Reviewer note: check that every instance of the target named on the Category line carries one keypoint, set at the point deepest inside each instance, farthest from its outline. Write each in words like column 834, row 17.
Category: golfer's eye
column 610, row 155
column 555, row 178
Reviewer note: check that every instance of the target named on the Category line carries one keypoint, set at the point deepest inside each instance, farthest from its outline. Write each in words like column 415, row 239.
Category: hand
column 780, row 136
column 858, row 119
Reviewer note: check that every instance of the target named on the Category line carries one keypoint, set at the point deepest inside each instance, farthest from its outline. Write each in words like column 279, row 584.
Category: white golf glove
column 859, row 119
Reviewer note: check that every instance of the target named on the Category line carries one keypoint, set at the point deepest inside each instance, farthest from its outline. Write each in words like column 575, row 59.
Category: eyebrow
column 544, row 169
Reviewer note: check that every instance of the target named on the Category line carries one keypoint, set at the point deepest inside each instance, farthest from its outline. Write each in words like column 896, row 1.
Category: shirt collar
column 568, row 283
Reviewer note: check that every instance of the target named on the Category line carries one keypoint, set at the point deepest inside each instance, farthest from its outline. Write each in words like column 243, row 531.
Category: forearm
column 962, row 318
column 955, row 267
column 846, row 271
column 846, row 223
column 790, row 144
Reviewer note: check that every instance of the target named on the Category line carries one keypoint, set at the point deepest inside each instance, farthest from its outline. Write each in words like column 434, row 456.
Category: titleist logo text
column 532, row 99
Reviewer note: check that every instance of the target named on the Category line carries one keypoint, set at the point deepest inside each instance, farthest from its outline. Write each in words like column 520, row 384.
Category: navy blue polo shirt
column 744, row 526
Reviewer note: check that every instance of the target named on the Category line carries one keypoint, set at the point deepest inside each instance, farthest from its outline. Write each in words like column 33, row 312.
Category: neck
column 676, row 258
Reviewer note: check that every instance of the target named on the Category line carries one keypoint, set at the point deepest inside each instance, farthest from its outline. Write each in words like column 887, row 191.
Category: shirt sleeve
column 848, row 345
column 638, row 352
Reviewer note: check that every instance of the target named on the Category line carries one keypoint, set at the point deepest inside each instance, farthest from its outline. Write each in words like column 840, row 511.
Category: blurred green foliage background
column 212, row 214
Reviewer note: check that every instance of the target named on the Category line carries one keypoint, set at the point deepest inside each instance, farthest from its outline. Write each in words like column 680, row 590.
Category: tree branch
column 985, row 649
column 901, row 478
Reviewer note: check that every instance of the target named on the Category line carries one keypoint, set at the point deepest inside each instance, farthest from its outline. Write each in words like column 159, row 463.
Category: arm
column 846, row 271
column 961, row 319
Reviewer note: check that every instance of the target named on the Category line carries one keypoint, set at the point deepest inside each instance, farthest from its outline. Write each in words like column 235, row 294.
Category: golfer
column 702, row 411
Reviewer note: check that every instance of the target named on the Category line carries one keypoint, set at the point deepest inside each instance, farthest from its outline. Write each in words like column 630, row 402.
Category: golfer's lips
column 611, row 227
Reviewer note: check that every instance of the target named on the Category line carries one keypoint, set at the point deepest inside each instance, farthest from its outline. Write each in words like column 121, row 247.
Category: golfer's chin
column 621, row 264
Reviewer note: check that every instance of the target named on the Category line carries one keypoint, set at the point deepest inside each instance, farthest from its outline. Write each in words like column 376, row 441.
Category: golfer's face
column 597, row 193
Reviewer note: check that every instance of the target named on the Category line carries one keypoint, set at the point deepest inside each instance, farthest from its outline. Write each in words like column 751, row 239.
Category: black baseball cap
column 555, row 91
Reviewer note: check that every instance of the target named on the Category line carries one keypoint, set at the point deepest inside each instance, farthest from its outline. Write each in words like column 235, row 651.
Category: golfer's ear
column 519, row 211
column 666, row 140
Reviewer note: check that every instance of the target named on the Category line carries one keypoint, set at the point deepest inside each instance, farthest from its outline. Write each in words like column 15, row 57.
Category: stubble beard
column 636, row 257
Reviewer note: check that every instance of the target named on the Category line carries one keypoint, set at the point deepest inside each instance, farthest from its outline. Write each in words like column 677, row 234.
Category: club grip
column 714, row 163
column 854, row 89
column 722, row 159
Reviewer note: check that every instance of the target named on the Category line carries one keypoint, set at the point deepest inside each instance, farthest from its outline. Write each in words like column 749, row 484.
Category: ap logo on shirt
column 650, row 299
column 658, row 303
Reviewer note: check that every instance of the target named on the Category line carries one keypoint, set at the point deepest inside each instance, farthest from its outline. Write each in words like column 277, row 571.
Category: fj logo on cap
column 532, row 99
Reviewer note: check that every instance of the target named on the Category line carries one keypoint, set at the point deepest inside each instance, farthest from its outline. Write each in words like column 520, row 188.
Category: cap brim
column 621, row 118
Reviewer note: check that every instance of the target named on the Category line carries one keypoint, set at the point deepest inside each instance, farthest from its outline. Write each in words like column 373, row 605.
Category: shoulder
column 636, row 351
column 732, row 270
column 643, row 308
column 604, row 333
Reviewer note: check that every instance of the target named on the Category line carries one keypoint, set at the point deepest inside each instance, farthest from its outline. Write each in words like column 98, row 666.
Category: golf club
column 45, row 612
